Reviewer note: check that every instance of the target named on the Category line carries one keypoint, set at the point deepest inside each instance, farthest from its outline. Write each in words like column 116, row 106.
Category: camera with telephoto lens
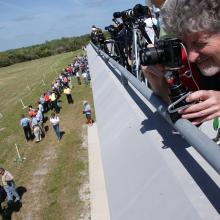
column 168, row 52
column 131, row 15
column 100, row 37
column 140, row 11
column 112, row 30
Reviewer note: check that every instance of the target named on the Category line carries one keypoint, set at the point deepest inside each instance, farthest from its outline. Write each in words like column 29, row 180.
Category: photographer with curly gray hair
column 197, row 24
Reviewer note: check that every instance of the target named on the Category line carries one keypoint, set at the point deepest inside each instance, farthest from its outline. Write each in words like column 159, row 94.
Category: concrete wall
column 150, row 171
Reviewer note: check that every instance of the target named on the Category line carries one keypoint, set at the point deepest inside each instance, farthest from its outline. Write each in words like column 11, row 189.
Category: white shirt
column 84, row 75
column 54, row 121
column 41, row 108
column 149, row 28
column 6, row 177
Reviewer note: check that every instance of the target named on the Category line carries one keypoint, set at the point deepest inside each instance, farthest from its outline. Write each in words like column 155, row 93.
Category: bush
column 43, row 50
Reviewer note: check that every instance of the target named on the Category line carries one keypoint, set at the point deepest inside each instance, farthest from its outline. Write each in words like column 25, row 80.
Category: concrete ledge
column 99, row 203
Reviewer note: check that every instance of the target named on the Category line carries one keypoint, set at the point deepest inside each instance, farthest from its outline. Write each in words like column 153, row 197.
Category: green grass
column 66, row 175
column 60, row 196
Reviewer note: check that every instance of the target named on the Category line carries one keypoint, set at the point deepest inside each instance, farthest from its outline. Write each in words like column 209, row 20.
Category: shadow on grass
column 46, row 128
column 62, row 134
column 6, row 212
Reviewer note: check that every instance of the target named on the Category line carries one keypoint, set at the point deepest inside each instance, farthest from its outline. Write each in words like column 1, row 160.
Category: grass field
column 54, row 174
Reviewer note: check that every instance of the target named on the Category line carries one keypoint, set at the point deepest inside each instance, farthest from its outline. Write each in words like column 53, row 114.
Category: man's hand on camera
column 207, row 108
column 156, row 79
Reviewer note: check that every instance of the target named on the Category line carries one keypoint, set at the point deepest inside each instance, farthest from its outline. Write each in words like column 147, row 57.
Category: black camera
column 111, row 28
column 140, row 11
column 114, row 31
column 167, row 52
column 131, row 15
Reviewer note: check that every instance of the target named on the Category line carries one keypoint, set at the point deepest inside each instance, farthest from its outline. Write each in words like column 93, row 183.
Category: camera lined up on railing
column 131, row 41
column 135, row 44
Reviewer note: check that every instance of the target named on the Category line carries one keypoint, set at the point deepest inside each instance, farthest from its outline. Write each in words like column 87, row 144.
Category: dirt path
column 32, row 201
column 71, row 204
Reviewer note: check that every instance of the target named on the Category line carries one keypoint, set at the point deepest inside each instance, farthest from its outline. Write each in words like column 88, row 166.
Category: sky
column 28, row 22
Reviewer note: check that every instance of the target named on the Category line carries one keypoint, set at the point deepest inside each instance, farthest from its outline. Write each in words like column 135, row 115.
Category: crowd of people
column 33, row 122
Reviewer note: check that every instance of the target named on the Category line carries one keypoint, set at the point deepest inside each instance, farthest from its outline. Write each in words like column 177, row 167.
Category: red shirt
column 188, row 81
column 32, row 113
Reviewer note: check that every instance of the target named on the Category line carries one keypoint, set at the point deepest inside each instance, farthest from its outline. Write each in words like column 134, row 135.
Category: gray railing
column 201, row 142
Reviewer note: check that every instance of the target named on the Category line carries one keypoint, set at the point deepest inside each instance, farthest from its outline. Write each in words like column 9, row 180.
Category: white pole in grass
column 43, row 82
column 24, row 106
column 18, row 153
column 19, row 158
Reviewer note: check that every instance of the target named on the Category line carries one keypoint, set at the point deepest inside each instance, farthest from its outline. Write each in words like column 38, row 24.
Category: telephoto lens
column 117, row 15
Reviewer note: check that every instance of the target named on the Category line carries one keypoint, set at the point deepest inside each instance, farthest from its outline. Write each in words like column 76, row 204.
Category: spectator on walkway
column 67, row 91
column 87, row 112
column 25, row 124
column 9, row 186
column 54, row 120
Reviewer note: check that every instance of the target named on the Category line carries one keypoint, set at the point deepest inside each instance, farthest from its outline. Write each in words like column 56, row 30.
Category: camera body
column 113, row 30
column 167, row 52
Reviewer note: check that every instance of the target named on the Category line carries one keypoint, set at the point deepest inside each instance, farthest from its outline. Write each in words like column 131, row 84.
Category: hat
column 85, row 102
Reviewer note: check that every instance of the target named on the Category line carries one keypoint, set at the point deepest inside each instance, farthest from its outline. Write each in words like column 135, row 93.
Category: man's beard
column 209, row 71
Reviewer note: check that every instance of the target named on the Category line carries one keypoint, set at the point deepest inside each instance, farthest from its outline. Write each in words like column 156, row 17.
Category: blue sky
column 28, row 22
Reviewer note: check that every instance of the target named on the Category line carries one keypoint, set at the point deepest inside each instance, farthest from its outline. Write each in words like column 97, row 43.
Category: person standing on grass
column 31, row 111
column 78, row 78
column 85, row 77
column 40, row 121
column 54, row 120
column 36, row 129
column 47, row 101
column 9, row 186
column 41, row 108
column 67, row 91
column 53, row 98
column 25, row 124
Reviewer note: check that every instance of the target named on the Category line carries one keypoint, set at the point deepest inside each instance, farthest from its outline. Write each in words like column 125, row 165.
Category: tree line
column 65, row 44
